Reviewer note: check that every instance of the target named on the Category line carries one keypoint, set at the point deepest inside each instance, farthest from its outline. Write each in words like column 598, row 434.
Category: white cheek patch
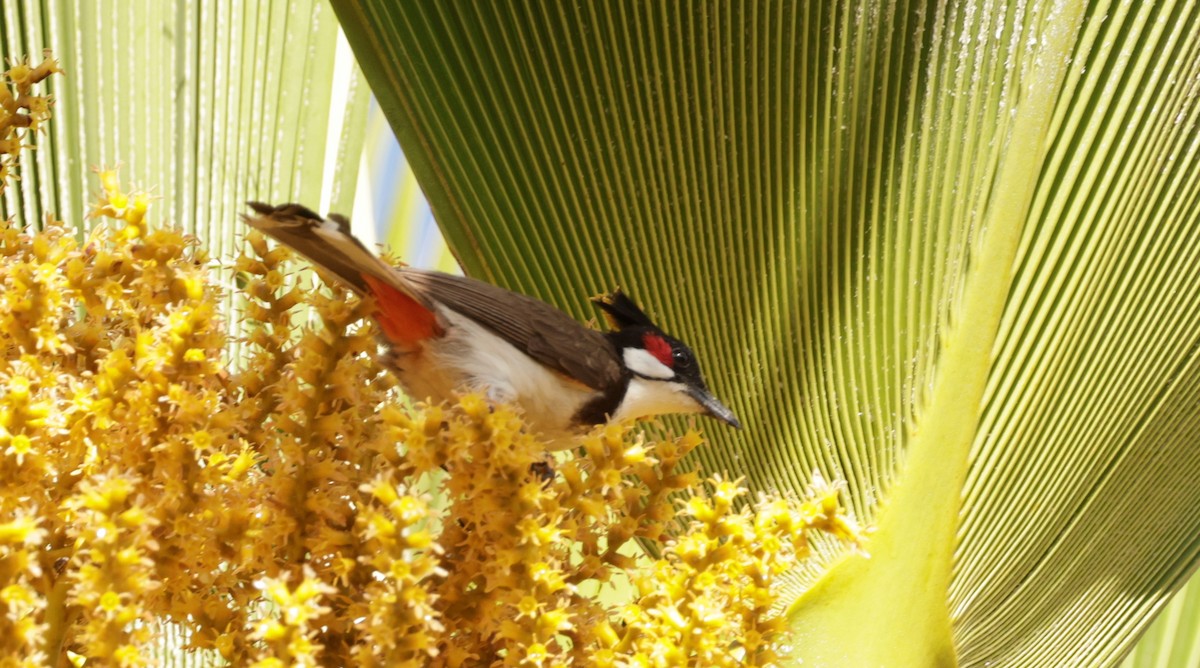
column 642, row 363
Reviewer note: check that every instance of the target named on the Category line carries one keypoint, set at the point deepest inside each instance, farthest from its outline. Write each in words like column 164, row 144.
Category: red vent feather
column 404, row 321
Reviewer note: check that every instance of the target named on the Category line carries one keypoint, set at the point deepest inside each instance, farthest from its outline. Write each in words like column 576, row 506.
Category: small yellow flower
column 18, row 388
column 474, row 406
column 547, row 576
column 273, row 631
column 110, row 601
column 127, row 655
column 420, row 540
column 193, row 287
column 194, row 355
column 528, row 607
column 20, row 445
column 21, row 530
column 410, row 509
column 536, row 654
column 202, row 440
column 555, row 621
column 401, row 570
column 16, row 594
column 241, row 464
column 632, row 614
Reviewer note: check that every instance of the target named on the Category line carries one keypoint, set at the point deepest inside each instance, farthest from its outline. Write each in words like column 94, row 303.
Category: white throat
column 646, row 397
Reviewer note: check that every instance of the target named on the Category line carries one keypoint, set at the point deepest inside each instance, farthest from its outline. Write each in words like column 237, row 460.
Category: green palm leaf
column 208, row 104
column 944, row 251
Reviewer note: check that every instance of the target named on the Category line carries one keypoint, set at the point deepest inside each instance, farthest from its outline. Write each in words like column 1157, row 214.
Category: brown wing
column 537, row 328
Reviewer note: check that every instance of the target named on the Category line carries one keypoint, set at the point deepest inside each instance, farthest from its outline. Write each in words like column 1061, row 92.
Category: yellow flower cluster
column 110, row 359
column 145, row 478
column 20, row 109
column 288, row 510
column 714, row 589
column 113, row 573
column 288, row 634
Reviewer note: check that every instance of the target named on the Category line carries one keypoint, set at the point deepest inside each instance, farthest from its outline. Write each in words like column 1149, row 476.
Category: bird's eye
column 680, row 356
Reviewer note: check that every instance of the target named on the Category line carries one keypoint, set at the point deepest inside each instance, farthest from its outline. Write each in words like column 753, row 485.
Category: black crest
column 622, row 311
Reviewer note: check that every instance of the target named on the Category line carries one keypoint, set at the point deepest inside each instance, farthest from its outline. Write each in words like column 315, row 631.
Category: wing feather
column 540, row 330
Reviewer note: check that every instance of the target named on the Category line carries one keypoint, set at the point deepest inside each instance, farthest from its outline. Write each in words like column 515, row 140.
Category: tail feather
column 327, row 243
column 405, row 316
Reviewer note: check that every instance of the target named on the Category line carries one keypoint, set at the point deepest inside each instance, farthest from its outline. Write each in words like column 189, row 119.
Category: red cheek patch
column 658, row 346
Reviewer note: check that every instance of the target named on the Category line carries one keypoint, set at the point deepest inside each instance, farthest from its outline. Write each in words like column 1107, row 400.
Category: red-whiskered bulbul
column 446, row 334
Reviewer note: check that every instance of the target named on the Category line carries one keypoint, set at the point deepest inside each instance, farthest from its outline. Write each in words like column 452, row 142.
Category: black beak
column 712, row 406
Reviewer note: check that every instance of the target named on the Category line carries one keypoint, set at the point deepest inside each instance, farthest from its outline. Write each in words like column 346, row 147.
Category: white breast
column 471, row 358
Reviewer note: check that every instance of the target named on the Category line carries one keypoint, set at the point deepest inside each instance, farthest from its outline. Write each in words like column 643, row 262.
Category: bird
column 445, row 335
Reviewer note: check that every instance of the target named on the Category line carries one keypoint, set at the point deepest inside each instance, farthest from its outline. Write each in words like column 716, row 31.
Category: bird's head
column 664, row 374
